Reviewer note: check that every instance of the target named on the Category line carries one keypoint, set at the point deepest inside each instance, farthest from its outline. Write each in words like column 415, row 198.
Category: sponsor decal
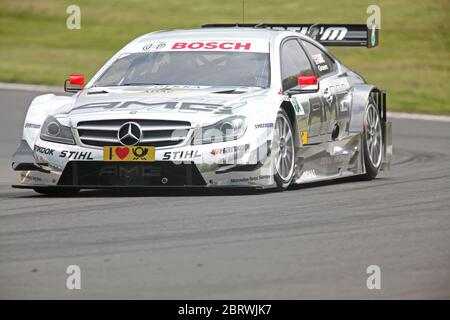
column 320, row 62
column 304, row 137
column 322, row 67
column 250, row 179
column 156, row 91
column 297, row 106
column 43, row 150
column 128, row 172
column 205, row 107
column 335, row 160
column 76, row 155
column 26, row 176
column 201, row 45
column 32, row 126
column 325, row 33
column 334, row 33
column 136, row 105
column 329, row 95
column 318, row 58
column 264, row 125
column 241, row 148
column 134, row 154
column 167, row 87
column 181, row 155
column 166, row 91
column 154, row 46
column 213, row 45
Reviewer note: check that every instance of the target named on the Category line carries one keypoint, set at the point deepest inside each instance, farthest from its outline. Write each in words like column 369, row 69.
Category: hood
column 196, row 104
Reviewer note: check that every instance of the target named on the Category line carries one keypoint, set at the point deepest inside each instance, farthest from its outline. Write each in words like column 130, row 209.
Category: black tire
column 57, row 192
column 283, row 180
column 372, row 162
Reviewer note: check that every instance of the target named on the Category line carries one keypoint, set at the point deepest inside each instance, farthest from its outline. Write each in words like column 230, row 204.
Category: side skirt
column 330, row 160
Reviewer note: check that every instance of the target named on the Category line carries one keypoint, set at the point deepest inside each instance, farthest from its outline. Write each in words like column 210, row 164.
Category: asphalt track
column 311, row 242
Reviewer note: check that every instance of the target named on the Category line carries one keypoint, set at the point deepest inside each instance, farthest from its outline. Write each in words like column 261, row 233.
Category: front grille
column 131, row 174
column 157, row 133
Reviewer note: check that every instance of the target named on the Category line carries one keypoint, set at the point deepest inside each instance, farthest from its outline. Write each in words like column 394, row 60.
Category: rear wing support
column 380, row 99
column 386, row 127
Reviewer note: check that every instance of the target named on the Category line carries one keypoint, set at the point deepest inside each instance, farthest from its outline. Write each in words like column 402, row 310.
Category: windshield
column 199, row 68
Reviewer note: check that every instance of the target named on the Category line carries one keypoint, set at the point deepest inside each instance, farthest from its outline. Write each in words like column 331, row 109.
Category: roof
column 213, row 34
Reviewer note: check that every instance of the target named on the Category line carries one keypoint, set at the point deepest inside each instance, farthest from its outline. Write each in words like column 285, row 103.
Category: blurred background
column 412, row 61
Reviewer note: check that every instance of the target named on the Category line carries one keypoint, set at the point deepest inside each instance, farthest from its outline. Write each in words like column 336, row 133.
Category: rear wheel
column 49, row 191
column 372, row 141
column 283, row 151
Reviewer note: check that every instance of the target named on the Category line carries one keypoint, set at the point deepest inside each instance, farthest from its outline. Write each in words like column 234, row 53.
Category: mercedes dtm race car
column 262, row 106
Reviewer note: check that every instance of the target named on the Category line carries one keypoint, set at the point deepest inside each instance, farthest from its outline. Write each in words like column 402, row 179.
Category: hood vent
column 97, row 92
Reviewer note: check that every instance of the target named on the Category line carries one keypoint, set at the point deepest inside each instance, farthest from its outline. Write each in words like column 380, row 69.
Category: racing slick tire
column 372, row 141
column 49, row 191
column 284, row 155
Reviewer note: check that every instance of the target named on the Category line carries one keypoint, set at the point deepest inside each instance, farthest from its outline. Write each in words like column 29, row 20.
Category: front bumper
column 23, row 159
column 160, row 173
column 216, row 165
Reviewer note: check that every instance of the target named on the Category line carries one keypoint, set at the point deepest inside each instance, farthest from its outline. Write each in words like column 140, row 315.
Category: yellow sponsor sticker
column 132, row 154
column 304, row 137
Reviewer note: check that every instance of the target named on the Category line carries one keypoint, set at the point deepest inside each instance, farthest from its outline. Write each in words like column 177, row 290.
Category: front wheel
column 372, row 141
column 283, row 151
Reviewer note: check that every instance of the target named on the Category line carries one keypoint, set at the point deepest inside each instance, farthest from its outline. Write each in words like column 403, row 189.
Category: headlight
column 53, row 131
column 231, row 128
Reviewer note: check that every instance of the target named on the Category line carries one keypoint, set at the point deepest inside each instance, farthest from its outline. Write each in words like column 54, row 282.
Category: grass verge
column 412, row 62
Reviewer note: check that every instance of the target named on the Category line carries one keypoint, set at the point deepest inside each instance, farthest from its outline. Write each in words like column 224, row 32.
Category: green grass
column 412, row 61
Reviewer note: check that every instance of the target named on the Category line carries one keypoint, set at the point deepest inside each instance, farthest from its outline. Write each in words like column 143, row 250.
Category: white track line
column 55, row 89
column 30, row 87
column 417, row 116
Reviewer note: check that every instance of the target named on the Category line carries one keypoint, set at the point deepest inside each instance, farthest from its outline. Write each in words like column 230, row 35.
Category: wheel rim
column 373, row 135
column 284, row 148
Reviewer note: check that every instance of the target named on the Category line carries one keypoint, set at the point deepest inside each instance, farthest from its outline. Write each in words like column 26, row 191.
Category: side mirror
column 305, row 84
column 74, row 84
column 308, row 83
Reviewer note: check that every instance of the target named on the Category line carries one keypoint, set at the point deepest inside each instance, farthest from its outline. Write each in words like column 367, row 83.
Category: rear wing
column 347, row 35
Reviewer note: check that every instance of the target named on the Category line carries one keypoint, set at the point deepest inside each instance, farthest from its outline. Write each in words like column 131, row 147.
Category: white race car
column 262, row 106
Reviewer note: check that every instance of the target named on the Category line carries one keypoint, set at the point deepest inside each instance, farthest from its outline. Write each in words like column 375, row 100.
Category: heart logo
column 122, row 152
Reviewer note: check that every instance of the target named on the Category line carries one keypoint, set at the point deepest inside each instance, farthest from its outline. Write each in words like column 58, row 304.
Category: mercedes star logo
column 129, row 134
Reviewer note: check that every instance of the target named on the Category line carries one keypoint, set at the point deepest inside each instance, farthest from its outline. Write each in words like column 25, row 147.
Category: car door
column 295, row 62
column 334, row 92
